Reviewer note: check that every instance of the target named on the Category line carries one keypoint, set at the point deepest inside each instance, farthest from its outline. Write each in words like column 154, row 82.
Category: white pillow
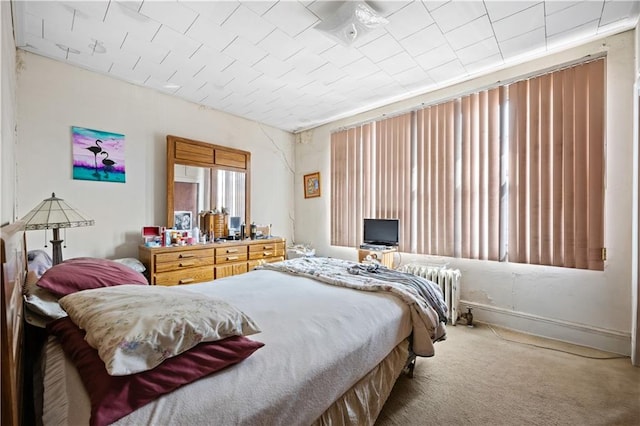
column 132, row 263
column 134, row 328
column 40, row 301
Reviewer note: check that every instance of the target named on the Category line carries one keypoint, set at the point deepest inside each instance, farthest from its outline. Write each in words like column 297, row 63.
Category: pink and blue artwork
column 98, row 155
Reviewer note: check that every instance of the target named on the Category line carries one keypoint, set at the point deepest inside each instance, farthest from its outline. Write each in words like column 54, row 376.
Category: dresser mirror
column 203, row 176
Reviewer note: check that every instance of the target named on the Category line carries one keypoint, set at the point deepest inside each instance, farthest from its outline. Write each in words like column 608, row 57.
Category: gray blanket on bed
column 427, row 289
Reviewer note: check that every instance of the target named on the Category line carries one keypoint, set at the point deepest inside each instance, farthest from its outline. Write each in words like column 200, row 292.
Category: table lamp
column 54, row 213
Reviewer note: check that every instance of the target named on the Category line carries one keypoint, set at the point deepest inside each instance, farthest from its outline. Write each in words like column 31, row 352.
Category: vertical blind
column 517, row 169
column 556, row 177
column 435, row 183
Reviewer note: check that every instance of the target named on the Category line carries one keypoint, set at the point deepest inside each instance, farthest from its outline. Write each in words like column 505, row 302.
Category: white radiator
column 448, row 279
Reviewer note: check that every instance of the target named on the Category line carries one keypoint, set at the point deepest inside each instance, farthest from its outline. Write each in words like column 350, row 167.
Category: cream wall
column 586, row 307
column 7, row 115
column 53, row 96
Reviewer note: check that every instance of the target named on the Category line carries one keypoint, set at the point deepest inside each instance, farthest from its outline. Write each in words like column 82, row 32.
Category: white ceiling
column 265, row 61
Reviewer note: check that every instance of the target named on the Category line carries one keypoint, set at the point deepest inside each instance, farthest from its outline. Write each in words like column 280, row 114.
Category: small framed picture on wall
column 312, row 185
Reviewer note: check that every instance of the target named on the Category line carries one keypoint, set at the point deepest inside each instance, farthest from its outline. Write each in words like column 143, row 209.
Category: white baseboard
column 579, row 334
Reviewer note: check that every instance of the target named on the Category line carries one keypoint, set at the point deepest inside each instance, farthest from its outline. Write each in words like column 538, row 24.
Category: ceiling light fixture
column 97, row 46
column 351, row 21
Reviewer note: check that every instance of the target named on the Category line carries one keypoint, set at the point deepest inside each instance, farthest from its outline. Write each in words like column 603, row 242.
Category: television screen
column 381, row 232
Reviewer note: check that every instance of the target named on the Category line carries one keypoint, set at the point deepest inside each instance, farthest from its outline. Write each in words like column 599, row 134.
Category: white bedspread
column 319, row 341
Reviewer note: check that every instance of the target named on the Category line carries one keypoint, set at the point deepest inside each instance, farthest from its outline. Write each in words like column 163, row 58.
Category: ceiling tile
column 414, row 79
column 617, row 10
column 573, row 34
column 436, row 57
column 556, row 6
column 160, row 73
column 174, row 41
column 573, row 16
column 408, row 20
column 259, row 7
column 484, row 64
column 130, row 4
column 424, row 40
column 213, row 11
column 244, row 51
column 397, row 64
column 92, row 30
column 447, row 72
column 361, row 68
column 131, row 75
column 306, row 62
column 457, row 13
column 212, row 58
column 291, row 17
column 251, row 26
column 56, row 13
column 498, row 10
column 314, row 41
column 328, row 73
column 120, row 16
column 519, row 23
column 170, row 13
column 272, row 66
column 205, row 31
column 44, row 47
column 381, row 48
column 469, row 33
column 89, row 9
column 154, row 52
column 280, row 45
column 341, row 56
column 33, row 24
column 480, row 50
column 529, row 43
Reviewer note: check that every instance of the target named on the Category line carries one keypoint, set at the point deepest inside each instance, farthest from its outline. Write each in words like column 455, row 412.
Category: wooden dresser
column 206, row 262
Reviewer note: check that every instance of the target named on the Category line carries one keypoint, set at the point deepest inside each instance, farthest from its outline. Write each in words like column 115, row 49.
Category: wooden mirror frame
column 202, row 154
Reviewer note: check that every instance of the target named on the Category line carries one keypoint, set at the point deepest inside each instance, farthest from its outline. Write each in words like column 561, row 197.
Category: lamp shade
column 55, row 213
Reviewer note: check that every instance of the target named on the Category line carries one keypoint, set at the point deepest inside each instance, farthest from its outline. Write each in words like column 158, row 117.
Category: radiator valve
column 468, row 317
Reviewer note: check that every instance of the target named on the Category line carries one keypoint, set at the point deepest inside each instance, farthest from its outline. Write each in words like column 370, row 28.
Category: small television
column 382, row 232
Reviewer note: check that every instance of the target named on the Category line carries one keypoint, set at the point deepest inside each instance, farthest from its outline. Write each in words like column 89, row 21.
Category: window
column 511, row 173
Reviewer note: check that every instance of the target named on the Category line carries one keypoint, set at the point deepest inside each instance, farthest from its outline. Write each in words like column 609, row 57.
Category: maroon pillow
column 113, row 397
column 82, row 273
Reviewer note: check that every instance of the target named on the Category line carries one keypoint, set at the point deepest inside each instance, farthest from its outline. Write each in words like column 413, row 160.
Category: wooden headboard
column 13, row 260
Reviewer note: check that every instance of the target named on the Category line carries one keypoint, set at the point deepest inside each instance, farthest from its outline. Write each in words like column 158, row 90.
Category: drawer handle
column 186, row 264
column 267, row 247
column 267, row 253
column 186, row 281
column 232, row 250
column 232, row 257
column 186, row 256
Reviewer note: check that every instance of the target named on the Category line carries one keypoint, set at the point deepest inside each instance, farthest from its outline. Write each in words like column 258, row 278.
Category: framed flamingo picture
column 98, row 155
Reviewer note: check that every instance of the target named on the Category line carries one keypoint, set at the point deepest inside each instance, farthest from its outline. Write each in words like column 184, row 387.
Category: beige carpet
column 479, row 378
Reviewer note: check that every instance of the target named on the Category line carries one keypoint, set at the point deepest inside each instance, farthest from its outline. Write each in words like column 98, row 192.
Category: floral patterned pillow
column 135, row 328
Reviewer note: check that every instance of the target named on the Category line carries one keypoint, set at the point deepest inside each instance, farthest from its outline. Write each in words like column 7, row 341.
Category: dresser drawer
column 265, row 254
column 188, row 262
column 185, row 276
column 230, row 258
column 266, row 247
column 176, row 256
column 232, row 250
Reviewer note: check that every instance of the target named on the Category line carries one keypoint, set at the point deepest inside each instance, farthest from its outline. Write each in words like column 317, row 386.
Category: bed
column 331, row 355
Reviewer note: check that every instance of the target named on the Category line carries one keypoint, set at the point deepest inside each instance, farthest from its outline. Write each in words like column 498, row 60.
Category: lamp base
column 57, row 246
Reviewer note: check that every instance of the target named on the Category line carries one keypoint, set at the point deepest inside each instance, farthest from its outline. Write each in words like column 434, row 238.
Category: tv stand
column 383, row 255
